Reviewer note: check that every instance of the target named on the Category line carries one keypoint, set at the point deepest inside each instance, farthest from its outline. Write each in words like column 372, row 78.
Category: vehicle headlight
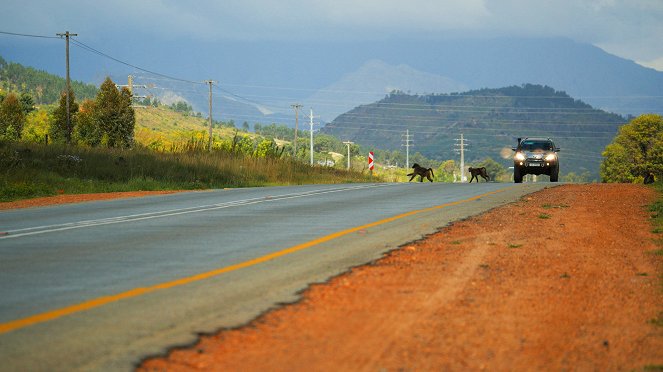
column 519, row 156
column 551, row 157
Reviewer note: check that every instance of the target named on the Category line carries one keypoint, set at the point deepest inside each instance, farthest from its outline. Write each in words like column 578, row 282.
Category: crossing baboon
column 476, row 172
column 649, row 178
column 421, row 172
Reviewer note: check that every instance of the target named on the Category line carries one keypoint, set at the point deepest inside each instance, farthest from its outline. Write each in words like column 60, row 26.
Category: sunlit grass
column 31, row 170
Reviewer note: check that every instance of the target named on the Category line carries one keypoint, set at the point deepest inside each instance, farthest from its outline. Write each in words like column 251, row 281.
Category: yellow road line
column 97, row 302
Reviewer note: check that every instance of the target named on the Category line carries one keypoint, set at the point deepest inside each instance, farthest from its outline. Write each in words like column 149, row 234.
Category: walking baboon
column 421, row 172
column 476, row 172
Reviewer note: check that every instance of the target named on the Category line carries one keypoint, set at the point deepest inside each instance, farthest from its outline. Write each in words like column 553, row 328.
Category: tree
column 12, row 118
column 59, row 131
column 446, row 171
column 114, row 115
column 494, row 169
column 37, row 125
column 27, row 103
column 127, row 119
column 636, row 151
column 87, row 130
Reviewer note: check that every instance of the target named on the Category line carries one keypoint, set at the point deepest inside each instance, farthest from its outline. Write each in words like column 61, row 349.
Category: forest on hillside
column 490, row 120
column 44, row 88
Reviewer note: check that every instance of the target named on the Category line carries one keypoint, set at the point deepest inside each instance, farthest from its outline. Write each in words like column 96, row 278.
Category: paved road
column 101, row 285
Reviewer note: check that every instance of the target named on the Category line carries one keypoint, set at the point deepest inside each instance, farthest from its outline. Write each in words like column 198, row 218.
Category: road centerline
column 100, row 301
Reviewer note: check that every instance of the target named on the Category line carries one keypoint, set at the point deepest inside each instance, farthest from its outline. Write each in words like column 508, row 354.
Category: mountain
column 276, row 74
column 372, row 81
column 490, row 120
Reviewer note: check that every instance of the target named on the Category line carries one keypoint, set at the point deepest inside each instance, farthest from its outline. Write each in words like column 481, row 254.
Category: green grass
column 544, row 216
column 31, row 170
column 549, row 206
column 515, row 245
column 656, row 210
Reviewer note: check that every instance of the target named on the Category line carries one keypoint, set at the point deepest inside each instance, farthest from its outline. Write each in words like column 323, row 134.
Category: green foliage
column 37, row 126
column 27, row 103
column 30, row 170
column 60, row 132
column 182, row 107
column 114, row 115
column 635, row 151
column 447, row 171
column 577, row 178
column 490, row 119
column 42, row 87
column 495, row 170
column 12, row 118
column 87, row 131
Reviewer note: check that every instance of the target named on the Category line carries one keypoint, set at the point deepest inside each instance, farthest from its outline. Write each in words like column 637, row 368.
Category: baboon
column 649, row 178
column 421, row 172
column 476, row 172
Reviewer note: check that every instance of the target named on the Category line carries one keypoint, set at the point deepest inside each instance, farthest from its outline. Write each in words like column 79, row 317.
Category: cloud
column 629, row 28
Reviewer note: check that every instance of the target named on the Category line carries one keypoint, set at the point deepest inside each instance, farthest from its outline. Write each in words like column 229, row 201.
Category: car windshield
column 530, row 145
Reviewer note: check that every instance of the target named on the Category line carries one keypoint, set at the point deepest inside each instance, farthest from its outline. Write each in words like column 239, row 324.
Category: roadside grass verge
column 30, row 170
column 656, row 210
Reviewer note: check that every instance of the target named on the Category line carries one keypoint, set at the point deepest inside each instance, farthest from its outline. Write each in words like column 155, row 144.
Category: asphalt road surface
column 101, row 285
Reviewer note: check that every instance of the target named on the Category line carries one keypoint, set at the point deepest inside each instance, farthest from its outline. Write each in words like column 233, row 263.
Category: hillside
column 44, row 88
column 161, row 128
column 489, row 119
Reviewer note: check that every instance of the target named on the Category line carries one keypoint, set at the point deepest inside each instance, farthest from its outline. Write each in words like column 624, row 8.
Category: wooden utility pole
column 69, row 129
column 296, row 106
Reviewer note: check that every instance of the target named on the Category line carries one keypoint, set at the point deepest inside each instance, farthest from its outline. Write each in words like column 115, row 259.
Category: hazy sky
column 632, row 29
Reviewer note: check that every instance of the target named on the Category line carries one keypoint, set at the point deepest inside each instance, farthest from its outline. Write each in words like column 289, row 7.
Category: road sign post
column 371, row 164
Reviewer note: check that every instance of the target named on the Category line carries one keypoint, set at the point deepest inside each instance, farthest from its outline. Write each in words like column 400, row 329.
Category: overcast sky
column 632, row 29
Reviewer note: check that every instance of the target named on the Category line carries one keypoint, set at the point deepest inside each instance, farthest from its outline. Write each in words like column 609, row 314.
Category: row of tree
column 108, row 120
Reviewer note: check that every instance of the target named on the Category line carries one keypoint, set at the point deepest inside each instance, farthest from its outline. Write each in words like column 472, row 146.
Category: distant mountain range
column 258, row 81
column 490, row 120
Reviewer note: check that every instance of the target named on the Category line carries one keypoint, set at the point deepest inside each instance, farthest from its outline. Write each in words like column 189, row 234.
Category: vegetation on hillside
column 43, row 87
column 490, row 119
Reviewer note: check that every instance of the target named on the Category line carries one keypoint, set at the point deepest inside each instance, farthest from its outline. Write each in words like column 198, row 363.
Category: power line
column 29, row 35
column 90, row 49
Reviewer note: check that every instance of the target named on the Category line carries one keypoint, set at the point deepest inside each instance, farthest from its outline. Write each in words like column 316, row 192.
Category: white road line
column 36, row 230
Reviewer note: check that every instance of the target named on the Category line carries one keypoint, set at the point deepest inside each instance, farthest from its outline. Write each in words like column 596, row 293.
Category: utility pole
column 130, row 86
column 348, row 143
column 66, row 36
column 210, row 82
column 311, row 117
column 296, row 106
column 461, row 149
column 407, row 147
